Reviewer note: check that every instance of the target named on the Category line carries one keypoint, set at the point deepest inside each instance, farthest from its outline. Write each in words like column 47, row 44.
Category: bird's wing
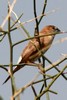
column 32, row 47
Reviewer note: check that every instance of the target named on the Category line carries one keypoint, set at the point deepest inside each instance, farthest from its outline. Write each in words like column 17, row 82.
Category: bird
column 34, row 49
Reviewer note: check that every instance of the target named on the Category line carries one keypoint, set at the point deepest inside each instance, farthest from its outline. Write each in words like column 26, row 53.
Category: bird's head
column 51, row 29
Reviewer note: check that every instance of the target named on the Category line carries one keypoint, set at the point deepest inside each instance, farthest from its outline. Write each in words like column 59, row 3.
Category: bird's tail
column 15, row 70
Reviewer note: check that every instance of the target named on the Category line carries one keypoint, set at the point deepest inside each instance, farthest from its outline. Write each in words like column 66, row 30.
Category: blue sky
column 59, row 19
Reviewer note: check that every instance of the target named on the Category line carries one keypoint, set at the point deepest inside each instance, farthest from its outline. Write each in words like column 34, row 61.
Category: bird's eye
column 54, row 28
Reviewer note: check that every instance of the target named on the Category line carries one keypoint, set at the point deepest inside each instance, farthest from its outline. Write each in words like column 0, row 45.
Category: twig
column 35, row 14
column 44, row 7
column 11, row 54
column 1, row 66
column 50, row 84
column 56, row 63
column 16, row 20
column 11, row 7
column 21, row 25
column 33, row 19
column 25, row 87
column 30, row 38
column 55, row 67
column 33, row 90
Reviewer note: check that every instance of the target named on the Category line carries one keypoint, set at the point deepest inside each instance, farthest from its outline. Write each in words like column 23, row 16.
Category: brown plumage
column 33, row 49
